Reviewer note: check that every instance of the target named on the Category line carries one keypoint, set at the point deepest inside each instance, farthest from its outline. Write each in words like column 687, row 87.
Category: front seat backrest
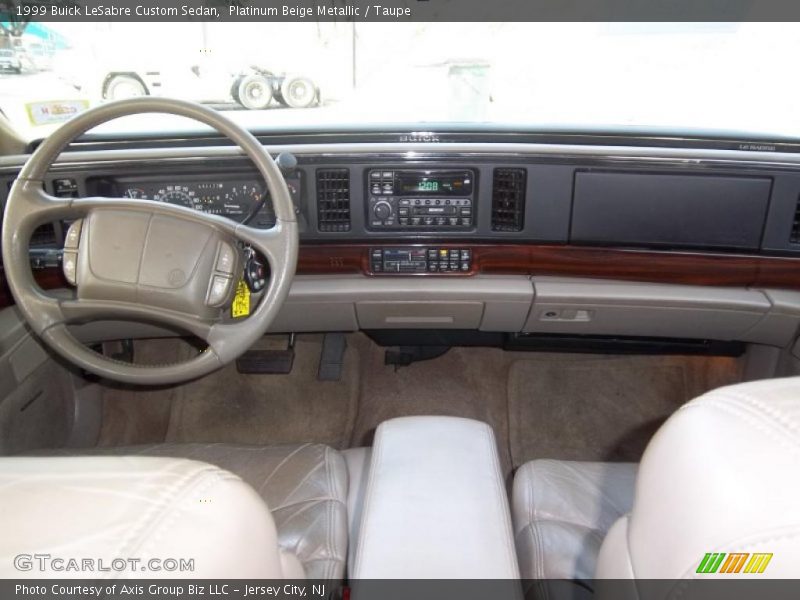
column 140, row 508
column 721, row 476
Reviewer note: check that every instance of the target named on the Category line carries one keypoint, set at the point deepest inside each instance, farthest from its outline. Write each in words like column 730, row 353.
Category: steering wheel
column 147, row 261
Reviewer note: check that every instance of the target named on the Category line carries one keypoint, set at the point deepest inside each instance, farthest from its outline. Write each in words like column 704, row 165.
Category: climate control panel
column 420, row 259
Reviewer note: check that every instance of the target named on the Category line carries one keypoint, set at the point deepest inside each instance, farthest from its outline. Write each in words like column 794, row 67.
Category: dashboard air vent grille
column 508, row 199
column 795, row 237
column 44, row 235
column 333, row 199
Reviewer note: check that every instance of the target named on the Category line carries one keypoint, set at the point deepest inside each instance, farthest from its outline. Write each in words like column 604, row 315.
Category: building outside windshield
column 680, row 78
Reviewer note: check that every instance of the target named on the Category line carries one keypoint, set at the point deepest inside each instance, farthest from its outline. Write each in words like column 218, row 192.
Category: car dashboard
column 634, row 238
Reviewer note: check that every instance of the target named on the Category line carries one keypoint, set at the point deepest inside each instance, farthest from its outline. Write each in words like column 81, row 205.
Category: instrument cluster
column 235, row 198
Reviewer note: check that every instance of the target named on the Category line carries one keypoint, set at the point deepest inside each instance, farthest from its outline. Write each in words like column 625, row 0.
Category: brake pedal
column 267, row 361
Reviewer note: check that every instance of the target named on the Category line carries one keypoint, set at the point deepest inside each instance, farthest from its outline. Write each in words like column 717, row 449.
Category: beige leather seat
column 562, row 511
column 303, row 486
column 721, row 475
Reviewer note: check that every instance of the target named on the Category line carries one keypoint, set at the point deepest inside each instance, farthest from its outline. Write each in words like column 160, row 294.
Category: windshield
column 731, row 79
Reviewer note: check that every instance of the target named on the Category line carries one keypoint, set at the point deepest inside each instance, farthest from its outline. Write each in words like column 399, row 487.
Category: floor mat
column 270, row 409
column 140, row 415
column 599, row 408
column 229, row 407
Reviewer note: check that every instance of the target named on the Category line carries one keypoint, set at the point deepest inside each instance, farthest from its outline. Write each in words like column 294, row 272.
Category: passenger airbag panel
column 676, row 211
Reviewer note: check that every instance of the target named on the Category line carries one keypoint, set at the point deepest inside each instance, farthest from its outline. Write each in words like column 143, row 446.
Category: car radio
column 407, row 199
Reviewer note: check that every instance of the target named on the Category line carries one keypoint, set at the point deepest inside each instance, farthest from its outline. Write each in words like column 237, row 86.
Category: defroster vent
column 333, row 199
column 508, row 199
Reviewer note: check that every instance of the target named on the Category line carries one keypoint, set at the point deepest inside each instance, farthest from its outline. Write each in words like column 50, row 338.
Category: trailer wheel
column 298, row 91
column 235, row 89
column 120, row 87
column 255, row 92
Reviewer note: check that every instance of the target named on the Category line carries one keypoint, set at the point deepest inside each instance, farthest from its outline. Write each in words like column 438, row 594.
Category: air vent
column 44, row 235
column 508, row 199
column 795, row 237
column 333, row 199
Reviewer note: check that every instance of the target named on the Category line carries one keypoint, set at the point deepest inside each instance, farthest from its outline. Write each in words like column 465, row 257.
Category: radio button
column 388, row 174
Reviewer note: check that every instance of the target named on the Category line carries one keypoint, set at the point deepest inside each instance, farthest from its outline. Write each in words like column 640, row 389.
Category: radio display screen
column 434, row 184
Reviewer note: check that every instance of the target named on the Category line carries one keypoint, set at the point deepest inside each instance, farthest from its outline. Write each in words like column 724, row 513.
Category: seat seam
column 500, row 494
column 765, row 426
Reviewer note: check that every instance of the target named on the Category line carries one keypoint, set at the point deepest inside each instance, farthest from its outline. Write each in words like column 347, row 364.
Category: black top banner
column 399, row 10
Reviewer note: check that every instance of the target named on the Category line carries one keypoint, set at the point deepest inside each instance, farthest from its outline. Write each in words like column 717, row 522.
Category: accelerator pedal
column 331, row 360
column 266, row 359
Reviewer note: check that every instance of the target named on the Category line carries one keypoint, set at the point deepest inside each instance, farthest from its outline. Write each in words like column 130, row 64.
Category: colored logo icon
column 735, row 562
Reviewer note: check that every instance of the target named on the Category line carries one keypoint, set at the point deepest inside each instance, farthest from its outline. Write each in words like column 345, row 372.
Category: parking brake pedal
column 332, row 358
column 263, row 360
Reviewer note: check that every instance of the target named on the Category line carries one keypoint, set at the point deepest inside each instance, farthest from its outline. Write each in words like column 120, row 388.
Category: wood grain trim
column 47, row 279
column 690, row 268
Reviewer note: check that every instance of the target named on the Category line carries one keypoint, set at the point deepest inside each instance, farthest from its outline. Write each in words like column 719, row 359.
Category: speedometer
column 177, row 194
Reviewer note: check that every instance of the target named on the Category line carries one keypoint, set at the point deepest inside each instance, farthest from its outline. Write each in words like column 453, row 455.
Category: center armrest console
column 435, row 504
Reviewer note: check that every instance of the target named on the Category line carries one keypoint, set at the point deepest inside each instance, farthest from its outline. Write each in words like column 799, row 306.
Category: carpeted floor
column 585, row 407
column 582, row 407
column 229, row 407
